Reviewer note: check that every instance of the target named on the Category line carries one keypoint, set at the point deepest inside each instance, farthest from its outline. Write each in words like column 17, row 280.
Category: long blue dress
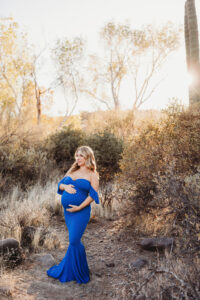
column 74, row 265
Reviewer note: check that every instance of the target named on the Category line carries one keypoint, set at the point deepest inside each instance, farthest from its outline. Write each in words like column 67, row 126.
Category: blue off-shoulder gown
column 74, row 265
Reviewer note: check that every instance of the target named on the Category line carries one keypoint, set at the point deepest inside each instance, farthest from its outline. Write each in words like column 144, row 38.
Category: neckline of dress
column 78, row 179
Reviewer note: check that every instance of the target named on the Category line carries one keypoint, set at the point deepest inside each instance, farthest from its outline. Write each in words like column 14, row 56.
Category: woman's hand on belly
column 69, row 188
column 74, row 208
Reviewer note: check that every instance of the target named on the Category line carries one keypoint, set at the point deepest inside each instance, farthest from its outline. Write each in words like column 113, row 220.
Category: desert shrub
column 175, row 138
column 142, row 157
column 23, row 163
column 62, row 145
column 107, row 149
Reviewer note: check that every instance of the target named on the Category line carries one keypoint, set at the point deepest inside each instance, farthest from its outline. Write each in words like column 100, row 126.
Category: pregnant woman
column 78, row 188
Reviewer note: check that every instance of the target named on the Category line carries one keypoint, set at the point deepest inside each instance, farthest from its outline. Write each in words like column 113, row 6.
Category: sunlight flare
column 190, row 78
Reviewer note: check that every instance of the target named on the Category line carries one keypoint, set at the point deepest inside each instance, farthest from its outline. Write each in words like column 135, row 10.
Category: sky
column 47, row 20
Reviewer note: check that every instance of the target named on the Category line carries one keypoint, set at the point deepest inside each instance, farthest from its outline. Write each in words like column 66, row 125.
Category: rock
column 8, row 245
column 46, row 260
column 110, row 264
column 11, row 252
column 156, row 243
column 138, row 264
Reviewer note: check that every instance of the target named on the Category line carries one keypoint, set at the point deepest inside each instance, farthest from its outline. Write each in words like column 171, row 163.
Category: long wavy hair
column 88, row 154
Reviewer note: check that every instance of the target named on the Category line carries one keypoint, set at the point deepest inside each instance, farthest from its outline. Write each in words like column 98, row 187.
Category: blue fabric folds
column 74, row 265
column 94, row 195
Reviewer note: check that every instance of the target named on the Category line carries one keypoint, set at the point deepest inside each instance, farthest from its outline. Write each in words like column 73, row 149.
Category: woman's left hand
column 73, row 209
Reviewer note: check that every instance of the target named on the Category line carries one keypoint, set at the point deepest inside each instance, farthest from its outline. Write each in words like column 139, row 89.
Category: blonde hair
column 88, row 154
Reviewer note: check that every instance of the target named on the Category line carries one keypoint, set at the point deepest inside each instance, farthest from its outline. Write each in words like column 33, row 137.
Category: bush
column 62, row 145
column 107, row 149
column 162, row 166
column 175, row 138
column 22, row 163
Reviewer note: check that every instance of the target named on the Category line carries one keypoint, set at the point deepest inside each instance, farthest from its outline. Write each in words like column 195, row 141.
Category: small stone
column 139, row 263
column 110, row 264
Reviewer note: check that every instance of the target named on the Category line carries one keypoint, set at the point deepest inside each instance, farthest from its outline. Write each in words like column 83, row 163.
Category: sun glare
column 190, row 78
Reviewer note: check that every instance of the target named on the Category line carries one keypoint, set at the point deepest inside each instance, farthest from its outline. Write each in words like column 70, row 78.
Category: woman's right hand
column 69, row 188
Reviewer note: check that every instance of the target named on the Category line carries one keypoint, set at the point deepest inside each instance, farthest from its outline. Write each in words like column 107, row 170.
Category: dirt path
column 109, row 256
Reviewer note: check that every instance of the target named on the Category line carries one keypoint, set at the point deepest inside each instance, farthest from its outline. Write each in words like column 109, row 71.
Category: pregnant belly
column 75, row 199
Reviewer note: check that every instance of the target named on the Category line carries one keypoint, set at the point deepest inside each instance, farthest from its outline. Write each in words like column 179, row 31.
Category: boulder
column 8, row 245
column 11, row 252
column 157, row 243
column 45, row 260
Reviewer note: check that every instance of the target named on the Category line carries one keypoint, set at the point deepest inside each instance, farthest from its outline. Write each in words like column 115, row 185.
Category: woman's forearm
column 85, row 203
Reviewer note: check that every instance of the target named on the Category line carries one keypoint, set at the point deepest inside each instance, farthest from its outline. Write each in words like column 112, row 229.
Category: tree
column 68, row 56
column 107, row 73
column 40, row 91
column 192, row 50
column 151, row 48
column 130, row 56
column 20, row 95
column 15, row 69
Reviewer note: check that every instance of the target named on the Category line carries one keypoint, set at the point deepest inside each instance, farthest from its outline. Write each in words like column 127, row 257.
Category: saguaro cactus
column 192, row 50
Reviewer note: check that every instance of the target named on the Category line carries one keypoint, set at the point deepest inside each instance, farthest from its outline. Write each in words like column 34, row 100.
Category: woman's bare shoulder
column 94, row 180
column 94, row 175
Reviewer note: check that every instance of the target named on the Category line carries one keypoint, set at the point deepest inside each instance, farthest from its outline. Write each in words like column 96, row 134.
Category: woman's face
column 80, row 159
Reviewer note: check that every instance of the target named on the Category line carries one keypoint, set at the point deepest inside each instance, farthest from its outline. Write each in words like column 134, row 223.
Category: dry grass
column 108, row 210
column 8, row 283
column 166, row 278
column 33, row 208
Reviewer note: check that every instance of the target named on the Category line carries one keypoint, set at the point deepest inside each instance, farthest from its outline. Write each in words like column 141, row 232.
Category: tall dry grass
column 32, row 208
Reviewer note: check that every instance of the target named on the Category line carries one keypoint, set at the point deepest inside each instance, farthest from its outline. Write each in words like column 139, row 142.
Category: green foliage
column 22, row 164
column 62, row 145
column 107, row 149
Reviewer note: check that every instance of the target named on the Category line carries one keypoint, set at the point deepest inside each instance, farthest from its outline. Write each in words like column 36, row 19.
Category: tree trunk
column 192, row 50
column 38, row 109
